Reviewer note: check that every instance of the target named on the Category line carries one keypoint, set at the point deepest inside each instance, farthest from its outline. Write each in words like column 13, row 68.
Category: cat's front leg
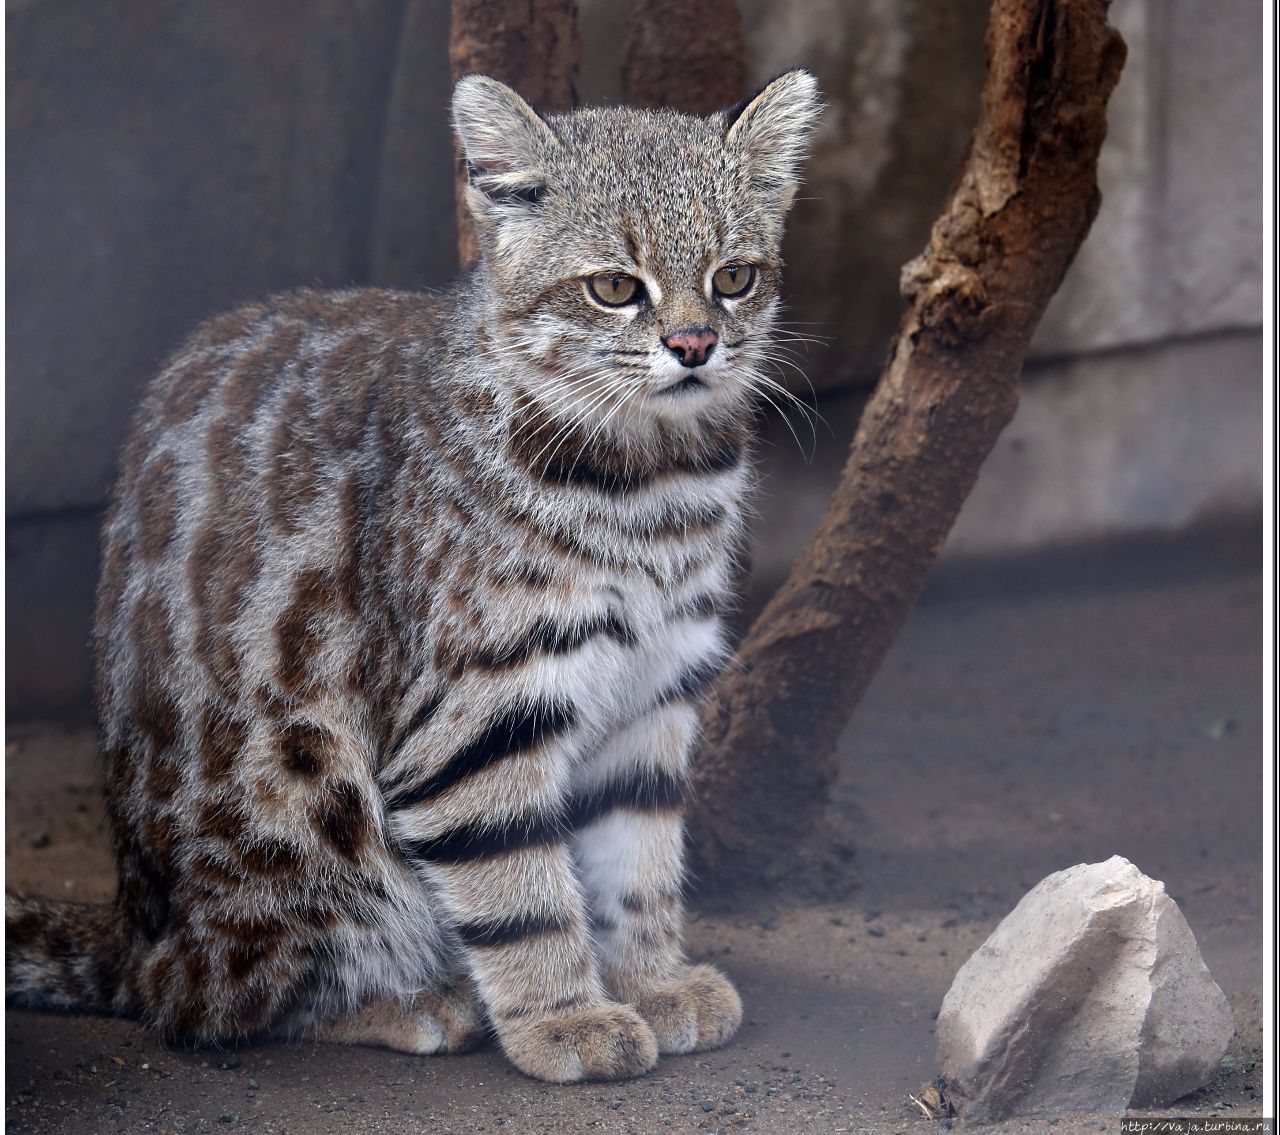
column 481, row 816
column 630, row 849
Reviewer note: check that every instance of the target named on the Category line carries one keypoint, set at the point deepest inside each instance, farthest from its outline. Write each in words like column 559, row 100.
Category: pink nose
column 692, row 345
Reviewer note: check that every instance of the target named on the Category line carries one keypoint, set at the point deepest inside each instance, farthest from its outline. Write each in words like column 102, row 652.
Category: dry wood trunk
column 531, row 45
column 1020, row 208
column 689, row 54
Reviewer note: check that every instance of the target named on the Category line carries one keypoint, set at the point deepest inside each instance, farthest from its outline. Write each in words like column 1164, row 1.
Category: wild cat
column 407, row 606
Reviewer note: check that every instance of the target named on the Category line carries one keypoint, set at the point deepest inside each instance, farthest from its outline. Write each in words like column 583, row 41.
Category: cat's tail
column 63, row 955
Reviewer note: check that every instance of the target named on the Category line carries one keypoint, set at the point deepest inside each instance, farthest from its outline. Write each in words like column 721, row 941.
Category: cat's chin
column 684, row 397
column 681, row 386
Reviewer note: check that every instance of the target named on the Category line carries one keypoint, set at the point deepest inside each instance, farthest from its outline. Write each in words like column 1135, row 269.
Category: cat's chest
column 668, row 633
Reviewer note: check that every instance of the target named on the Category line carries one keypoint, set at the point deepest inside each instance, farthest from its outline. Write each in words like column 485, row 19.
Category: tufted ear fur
column 770, row 133
column 505, row 144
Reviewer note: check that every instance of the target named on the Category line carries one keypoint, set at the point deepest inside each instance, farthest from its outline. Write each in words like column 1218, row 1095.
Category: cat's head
column 634, row 255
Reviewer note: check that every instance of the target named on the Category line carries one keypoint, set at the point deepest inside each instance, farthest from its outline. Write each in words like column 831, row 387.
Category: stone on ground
column 1090, row 995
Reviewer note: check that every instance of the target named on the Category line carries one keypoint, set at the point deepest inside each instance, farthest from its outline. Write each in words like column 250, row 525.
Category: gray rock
column 1090, row 995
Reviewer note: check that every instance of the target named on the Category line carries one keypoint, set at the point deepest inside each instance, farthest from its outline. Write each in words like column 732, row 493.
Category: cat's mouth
column 682, row 385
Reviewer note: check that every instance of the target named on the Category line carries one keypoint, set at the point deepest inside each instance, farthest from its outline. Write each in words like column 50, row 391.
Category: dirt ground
column 1036, row 713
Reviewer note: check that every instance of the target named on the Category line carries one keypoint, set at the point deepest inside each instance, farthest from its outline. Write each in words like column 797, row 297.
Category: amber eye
column 614, row 289
column 734, row 279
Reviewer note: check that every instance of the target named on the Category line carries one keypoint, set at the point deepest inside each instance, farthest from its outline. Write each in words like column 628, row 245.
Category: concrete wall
column 1150, row 438
column 168, row 160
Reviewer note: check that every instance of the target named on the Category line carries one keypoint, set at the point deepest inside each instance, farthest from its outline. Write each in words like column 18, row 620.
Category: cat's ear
column 504, row 141
column 770, row 132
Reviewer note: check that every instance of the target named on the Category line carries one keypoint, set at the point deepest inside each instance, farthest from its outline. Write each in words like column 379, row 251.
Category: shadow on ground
column 1034, row 714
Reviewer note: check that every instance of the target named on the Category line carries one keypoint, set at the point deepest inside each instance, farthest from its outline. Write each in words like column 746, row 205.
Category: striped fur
column 408, row 603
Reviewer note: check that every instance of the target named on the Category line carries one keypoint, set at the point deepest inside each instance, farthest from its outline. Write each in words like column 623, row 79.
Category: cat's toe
column 458, row 1017
column 435, row 1032
column 604, row 1042
column 699, row 1010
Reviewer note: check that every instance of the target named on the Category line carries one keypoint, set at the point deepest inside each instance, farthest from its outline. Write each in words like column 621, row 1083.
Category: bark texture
column 531, row 45
column 689, row 54
column 1020, row 208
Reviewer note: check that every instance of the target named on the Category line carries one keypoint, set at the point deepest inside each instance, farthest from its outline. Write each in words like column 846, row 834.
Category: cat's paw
column 698, row 1010
column 604, row 1042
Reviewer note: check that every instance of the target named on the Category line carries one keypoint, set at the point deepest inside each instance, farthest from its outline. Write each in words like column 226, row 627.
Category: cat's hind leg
column 436, row 1021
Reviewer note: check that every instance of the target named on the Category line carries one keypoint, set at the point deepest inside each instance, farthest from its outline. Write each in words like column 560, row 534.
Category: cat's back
column 263, row 407
column 246, row 477
column 282, row 360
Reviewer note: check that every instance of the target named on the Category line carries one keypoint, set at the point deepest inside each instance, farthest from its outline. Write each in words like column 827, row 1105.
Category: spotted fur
column 407, row 607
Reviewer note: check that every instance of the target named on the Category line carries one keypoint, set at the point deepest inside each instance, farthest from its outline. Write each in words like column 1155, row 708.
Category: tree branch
column 531, row 45
column 1022, row 205
column 689, row 54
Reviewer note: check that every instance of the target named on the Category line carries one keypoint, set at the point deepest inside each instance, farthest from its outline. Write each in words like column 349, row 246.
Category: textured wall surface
column 902, row 82
column 1177, row 248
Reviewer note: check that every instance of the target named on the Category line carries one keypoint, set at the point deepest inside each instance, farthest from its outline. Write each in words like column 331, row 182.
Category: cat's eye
column 734, row 280
column 614, row 289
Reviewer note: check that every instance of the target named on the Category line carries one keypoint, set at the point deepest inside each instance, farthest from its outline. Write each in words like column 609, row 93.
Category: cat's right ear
column 505, row 144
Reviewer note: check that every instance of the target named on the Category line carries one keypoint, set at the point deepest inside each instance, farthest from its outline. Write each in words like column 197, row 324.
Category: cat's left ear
column 504, row 141
column 770, row 133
